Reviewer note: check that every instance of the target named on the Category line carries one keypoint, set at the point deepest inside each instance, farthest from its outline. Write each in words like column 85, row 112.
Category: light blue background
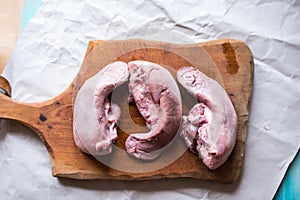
column 30, row 8
column 290, row 186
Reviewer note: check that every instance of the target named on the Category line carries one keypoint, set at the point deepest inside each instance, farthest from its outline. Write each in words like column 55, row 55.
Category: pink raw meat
column 95, row 117
column 210, row 127
column 158, row 99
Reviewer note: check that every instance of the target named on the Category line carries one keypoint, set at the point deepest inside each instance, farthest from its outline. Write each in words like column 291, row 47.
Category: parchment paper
column 50, row 51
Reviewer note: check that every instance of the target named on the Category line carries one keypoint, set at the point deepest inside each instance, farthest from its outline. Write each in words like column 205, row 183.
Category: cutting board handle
column 5, row 86
column 41, row 117
column 9, row 108
column 28, row 114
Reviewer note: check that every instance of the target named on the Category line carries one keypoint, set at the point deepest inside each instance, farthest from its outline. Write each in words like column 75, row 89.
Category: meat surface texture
column 209, row 129
column 98, row 128
column 152, row 89
column 158, row 100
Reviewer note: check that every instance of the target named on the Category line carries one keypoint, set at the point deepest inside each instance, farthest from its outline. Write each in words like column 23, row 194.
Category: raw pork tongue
column 210, row 127
column 97, row 138
column 158, row 99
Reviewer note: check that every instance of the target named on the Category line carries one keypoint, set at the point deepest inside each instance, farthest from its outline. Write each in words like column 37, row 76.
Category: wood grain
column 228, row 61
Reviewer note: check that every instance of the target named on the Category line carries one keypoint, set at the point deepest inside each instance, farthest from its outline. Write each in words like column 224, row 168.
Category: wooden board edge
column 89, row 176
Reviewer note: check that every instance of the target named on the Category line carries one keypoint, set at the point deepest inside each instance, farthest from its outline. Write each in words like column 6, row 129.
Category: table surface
column 19, row 14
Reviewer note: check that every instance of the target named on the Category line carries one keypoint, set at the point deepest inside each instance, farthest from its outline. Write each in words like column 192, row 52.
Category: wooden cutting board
column 228, row 61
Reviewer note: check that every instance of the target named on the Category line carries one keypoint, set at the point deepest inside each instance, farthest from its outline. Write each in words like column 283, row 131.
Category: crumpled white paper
column 49, row 54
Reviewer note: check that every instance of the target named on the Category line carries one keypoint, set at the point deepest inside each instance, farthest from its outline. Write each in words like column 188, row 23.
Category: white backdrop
column 50, row 51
